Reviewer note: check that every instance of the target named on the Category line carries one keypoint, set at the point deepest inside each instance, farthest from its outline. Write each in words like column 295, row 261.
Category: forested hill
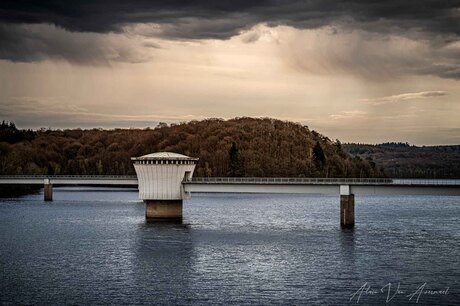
column 404, row 160
column 236, row 147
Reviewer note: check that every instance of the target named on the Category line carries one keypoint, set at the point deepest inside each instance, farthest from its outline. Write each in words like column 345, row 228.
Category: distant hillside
column 236, row 147
column 404, row 160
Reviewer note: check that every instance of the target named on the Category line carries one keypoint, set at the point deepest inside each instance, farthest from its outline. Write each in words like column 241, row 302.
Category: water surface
column 93, row 246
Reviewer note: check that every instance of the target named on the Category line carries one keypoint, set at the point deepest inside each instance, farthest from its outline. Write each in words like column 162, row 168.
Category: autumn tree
column 235, row 164
column 318, row 156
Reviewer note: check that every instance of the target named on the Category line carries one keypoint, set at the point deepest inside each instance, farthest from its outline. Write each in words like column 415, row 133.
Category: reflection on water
column 163, row 263
column 94, row 247
column 347, row 245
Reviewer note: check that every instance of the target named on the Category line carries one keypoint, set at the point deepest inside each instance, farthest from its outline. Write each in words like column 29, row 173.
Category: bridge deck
column 132, row 180
column 323, row 181
column 325, row 186
column 262, row 185
column 82, row 180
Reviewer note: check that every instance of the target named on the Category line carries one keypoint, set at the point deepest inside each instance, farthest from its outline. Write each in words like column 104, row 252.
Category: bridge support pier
column 347, row 207
column 48, row 190
column 163, row 210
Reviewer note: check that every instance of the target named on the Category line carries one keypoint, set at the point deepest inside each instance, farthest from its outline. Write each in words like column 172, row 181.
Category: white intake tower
column 160, row 176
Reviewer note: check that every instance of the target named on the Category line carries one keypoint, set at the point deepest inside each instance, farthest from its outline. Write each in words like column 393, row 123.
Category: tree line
column 247, row 147
column 10, row 134
column 401, row 160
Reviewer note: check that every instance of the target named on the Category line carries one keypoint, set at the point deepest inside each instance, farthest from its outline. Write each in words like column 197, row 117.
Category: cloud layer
column 405, row 97
column 223, row 19
column 435, row 22
column 30, row 43
column 42, row 111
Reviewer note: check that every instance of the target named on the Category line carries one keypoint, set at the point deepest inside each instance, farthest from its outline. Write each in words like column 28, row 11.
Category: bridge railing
column 288, row 180
column 325, row 181
column 255, row 180
column 70, row 177
column 427, row 182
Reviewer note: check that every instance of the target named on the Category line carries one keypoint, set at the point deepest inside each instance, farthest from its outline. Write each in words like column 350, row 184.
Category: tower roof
column 164, row 156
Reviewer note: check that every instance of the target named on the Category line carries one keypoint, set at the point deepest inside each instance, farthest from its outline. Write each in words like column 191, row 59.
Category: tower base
column 347, row 210
column 48, row 192
column 163, row 210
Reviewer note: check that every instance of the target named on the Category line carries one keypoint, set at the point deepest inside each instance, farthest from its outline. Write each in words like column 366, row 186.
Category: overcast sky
column 361, row 71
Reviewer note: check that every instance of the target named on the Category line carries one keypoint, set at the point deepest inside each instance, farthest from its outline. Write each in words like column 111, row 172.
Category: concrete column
column 163, row 210
column 347, row 207
column 48, row 190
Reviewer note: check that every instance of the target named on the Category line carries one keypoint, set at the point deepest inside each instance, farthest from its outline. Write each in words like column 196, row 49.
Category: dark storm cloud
column 225, row 18
column 104, row 16
column 31, row 43
column 26, row 44
column 38, row 30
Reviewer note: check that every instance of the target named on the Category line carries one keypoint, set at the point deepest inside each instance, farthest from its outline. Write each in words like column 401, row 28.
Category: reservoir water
column 93, row 246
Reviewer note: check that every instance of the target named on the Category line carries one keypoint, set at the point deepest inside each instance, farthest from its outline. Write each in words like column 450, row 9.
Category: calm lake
column 93, row 246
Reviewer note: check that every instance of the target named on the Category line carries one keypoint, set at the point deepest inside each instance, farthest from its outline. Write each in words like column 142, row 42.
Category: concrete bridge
column 361, row 186
column 347, row 188
column 70, row 180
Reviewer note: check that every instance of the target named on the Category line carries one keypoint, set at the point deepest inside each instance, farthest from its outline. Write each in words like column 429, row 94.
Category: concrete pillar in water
column 163, row 210
column 48, row 190
column 347, row 207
